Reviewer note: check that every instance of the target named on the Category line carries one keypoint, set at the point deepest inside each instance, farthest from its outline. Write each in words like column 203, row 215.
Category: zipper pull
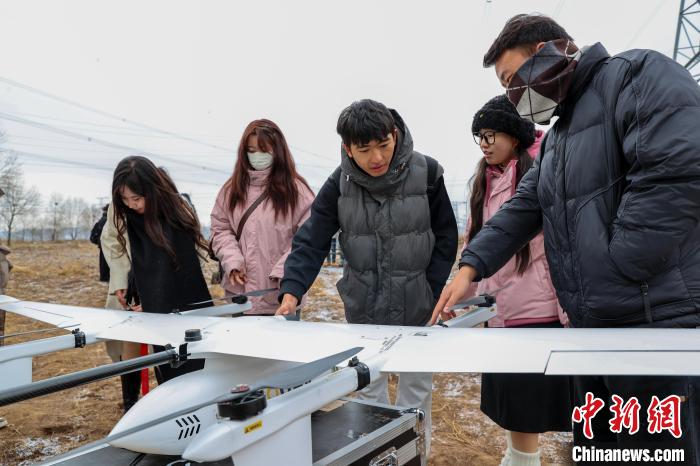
column 647, row 305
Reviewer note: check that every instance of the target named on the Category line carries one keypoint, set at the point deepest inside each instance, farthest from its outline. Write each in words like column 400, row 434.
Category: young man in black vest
column 616, row 189
column 398, row 235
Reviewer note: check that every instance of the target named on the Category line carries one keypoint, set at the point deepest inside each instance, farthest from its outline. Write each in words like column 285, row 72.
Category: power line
column 62, row 161
column 108, row 115
column 325, row 157
column 129, row 122
column 75, row 149
column 645, row 24
column 136, row 131
column 122, row 133
column 91, row 139
column 58, row 161
column 111, row 151
column 558, row 9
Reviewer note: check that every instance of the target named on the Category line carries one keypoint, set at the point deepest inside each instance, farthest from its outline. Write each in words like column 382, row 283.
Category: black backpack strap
column 432, row 173
column 336, row 175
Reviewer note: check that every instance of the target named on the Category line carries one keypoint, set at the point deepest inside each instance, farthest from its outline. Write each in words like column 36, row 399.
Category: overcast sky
column 203, row 70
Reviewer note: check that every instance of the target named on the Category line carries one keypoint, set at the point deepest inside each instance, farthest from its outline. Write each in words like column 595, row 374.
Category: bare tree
column 73, row 209
column 18, row 200
column 35, row 224
column 55, row 216
column 89, row 216
column 6, row 159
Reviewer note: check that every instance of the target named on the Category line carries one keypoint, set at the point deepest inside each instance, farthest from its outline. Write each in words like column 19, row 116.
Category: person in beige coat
column 119, row 265
column 5, row 267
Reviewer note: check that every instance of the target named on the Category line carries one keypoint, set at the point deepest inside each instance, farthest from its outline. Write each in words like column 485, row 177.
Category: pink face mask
column 542, row 82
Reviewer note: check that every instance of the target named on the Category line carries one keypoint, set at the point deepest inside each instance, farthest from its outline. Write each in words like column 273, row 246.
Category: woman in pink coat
column 523, row 404
column 274, row 199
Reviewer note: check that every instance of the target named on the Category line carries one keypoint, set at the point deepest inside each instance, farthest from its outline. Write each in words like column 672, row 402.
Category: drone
column 222, row 412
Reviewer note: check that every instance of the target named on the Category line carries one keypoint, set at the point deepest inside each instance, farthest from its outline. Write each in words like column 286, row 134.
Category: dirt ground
column 66, row 273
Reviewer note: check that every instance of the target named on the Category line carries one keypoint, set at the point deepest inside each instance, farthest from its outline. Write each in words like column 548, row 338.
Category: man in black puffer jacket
column 616, row 190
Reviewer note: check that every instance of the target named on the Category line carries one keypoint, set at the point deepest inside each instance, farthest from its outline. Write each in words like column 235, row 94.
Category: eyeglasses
column 488, row 136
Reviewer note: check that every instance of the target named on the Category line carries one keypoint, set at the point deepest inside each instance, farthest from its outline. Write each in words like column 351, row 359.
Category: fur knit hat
column 499, row 114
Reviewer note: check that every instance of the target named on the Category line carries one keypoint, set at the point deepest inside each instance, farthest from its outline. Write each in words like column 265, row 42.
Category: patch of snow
column 82, row 395
column 453, row 389
column 564, row 437
column 76, row 438
column 46, row 447
column 330, row 276
column 325, row 315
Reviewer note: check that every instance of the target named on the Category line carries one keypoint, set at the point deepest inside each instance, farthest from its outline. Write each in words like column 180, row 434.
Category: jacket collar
column 591, row 60
column 497, row 172
column 259, row 177
column 493, row 174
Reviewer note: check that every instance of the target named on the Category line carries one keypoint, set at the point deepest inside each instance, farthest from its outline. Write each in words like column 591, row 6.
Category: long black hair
column 164, row 205
column 478, row 198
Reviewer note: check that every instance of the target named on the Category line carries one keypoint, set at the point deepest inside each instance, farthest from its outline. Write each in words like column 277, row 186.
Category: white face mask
column 260, row 160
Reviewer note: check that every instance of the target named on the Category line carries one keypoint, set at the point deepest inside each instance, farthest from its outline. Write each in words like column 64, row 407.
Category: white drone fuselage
column 203, row 436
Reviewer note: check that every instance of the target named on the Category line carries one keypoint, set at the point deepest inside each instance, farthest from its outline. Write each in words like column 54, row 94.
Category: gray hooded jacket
column 398, row 234
column 386, row 240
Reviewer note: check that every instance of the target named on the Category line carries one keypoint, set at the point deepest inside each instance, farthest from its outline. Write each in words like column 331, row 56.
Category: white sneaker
column 505, row 461
column 520, row 458
column 3, row 422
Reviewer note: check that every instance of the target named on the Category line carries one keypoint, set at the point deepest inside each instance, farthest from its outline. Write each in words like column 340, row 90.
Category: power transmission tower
column 687, row 48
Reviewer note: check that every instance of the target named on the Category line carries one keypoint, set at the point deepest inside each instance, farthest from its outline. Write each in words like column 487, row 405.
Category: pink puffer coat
column 264, row 244
column 523, row 299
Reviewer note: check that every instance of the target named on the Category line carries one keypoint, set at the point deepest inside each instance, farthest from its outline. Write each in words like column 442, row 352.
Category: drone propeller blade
column 256, row 293
column 299, row 375
column 249, row 294
column 481, row 301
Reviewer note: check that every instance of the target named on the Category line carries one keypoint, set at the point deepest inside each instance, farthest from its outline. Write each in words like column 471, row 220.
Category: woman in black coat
column 95, row 239
column 166, row 244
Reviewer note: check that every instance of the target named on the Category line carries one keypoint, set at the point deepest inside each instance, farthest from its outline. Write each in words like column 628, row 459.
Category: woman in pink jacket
column 273, row 200
column 523, row 404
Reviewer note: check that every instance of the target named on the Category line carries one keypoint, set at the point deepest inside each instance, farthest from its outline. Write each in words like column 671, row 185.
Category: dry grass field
column 66, row 272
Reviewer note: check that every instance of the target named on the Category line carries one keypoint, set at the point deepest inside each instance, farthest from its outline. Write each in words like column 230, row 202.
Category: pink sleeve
column 471, row 291
column 223, row 240
column 466, row 233
column 534, row 149
column 563, row 318
column 303, row 211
